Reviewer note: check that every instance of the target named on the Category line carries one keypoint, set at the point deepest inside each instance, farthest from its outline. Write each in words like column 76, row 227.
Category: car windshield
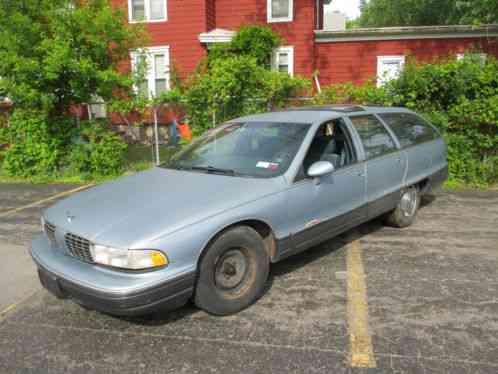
column 251, row 149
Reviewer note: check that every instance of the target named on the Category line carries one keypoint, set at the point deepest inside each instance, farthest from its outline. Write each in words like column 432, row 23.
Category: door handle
column 361, row 173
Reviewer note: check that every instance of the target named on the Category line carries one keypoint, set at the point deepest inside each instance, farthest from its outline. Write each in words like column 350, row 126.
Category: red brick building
column 182, row 31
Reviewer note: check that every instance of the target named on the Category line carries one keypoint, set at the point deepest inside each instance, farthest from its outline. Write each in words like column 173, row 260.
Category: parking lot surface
column 418, row 300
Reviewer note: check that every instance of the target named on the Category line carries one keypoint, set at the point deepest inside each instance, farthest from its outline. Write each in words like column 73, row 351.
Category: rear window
column 409, row 128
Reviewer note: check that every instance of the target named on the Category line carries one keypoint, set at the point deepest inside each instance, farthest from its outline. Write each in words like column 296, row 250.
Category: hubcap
column 231, row 269
column 408, row 204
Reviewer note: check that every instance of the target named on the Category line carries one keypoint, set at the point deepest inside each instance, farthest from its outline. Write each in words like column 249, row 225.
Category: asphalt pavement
column 376, row 299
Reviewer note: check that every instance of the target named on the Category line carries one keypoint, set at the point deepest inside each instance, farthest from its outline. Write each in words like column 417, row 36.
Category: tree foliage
column 477, row 11
column 386, row 13
column 56, row 53
column 251, row 40
column 236, row 79
column 256, row 41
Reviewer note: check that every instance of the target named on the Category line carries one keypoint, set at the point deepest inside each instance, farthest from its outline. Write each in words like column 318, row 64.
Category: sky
column 350, row 7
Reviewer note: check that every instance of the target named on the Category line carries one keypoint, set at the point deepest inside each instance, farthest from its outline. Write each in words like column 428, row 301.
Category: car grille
column 50, row 232
column 79, row 247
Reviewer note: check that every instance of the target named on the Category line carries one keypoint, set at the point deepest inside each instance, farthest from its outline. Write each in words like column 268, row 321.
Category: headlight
column 42, row 221
column 128, row 258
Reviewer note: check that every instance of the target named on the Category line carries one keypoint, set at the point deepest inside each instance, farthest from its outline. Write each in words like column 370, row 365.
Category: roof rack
column 331, row 108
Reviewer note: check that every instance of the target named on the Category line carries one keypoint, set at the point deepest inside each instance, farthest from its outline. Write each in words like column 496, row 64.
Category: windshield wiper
column 213, row 170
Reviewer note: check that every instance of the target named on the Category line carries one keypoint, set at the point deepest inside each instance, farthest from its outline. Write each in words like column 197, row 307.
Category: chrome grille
column 79, row 247
column 50, row 232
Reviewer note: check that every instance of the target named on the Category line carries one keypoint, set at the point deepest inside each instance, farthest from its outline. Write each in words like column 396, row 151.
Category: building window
column 280, row 10
column 283, row 60
column 389, row 68
column 147, row 10
column 155, row 62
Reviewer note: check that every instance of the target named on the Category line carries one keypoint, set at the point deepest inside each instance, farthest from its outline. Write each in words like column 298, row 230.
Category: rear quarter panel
column 419, row 162
column 425, row 160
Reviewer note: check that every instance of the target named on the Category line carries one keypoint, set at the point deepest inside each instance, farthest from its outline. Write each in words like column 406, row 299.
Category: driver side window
column 331, row 143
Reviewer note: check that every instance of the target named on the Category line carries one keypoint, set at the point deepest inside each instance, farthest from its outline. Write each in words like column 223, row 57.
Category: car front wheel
column 406, row 210
column 232, row 272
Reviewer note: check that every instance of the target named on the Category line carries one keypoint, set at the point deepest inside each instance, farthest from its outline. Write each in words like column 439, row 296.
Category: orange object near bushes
column 184, row 130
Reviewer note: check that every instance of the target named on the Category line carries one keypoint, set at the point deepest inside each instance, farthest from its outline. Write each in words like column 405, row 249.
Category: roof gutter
column 407, row 33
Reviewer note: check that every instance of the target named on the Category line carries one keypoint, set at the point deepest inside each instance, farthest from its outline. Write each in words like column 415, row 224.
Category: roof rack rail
column 330, row 108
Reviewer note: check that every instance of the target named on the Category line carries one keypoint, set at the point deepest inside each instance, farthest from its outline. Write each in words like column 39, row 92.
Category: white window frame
column 382, row 60
column 272, row 19
column 147, row 13
column 151, row 76
column 275, row 58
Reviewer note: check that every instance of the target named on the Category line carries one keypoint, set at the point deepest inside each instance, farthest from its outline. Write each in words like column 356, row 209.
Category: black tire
column 404, row 215
column 237, row 253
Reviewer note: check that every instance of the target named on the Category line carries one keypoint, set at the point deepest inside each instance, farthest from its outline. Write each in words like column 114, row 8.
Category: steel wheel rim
column 231, row 270
column 408, row 203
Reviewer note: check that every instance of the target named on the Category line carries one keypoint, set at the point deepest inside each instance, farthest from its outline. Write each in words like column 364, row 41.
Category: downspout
column 315, row 74
column 317, row 14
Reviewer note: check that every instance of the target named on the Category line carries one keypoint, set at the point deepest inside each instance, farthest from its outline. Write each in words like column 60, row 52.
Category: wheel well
column 422, row 185
column 262, row 228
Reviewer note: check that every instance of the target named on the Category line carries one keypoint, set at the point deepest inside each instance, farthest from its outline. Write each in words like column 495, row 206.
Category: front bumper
column 103, row 296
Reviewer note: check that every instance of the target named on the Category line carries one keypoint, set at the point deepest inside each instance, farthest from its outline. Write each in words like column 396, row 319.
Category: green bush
column 459, row 97
column 36, row 144
column 254, row 41
column 466, row 167
column 236, row 80
column 3, row 129
column 366, row 94
column 97, row 152
column 40, row 148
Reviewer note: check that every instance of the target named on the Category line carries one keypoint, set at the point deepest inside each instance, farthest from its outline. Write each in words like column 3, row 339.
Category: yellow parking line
column 62, row 194
column 12, row 307
column 7, row 310
column 360, row 340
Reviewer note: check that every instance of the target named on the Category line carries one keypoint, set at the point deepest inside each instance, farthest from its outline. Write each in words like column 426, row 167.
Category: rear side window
column 409, row 128
column 375, row 138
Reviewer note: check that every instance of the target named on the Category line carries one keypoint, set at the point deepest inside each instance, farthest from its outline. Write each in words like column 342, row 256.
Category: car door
column 321, row 208
column 385, row 163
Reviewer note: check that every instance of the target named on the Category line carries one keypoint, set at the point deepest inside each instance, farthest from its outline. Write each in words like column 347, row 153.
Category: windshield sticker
column 267, row 165
column 273, row 166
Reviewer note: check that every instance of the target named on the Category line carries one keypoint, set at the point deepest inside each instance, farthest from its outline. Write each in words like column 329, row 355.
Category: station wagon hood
column 152, row 203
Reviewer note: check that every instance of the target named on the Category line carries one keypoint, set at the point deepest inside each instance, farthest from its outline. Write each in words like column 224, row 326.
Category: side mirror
column 320, row 168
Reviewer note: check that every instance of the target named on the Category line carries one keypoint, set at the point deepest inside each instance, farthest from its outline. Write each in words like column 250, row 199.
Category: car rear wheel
column 232, row 272
column 406, row 211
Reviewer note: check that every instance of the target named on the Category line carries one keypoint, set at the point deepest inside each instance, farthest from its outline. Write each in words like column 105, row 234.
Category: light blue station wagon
column 207, row 225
